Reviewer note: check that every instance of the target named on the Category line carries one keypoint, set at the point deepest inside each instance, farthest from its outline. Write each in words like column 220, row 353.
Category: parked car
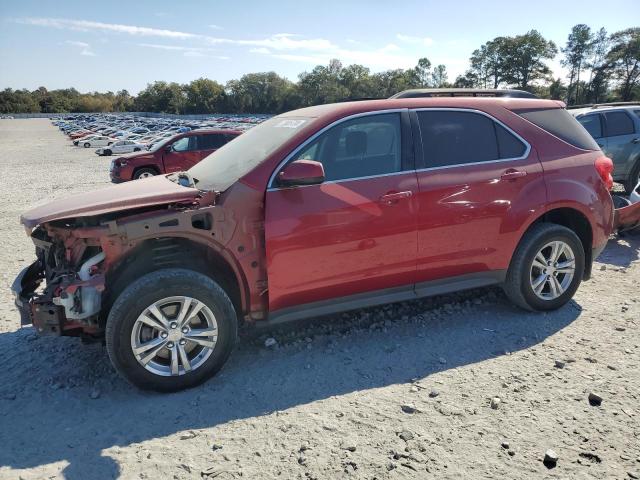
column 320, row 210
column 97, row 141
column 179, row 152
column 121, row 146
column 77, row 141
column 617, row 130
column 634, row 196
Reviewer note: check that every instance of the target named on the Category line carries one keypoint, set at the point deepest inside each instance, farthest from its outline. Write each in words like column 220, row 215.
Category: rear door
column 477, row 180
column 356, row 232
column 622, row 140
column 181, row 155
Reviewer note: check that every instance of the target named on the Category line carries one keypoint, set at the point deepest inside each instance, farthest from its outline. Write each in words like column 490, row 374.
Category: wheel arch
column 576, row 221
column 154, row 254
column 140, row 167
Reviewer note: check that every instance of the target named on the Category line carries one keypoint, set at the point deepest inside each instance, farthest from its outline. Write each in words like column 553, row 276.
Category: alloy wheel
column 552, row 270
column 174, row 336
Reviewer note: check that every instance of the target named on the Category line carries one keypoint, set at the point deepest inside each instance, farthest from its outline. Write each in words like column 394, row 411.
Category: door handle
column 393, row 197
column 513, row 174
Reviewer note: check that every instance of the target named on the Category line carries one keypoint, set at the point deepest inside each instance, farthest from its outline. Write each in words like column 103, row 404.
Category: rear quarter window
column 618, row 123
column 560, row 123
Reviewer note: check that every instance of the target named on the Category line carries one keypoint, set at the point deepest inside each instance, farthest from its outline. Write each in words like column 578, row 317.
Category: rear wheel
column 87, row 145
column 107, row 152
column 170, row 330
column 144, row 173
column 546, row 269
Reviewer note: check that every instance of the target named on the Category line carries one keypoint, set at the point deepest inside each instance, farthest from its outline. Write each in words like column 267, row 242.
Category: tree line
column 602, row 67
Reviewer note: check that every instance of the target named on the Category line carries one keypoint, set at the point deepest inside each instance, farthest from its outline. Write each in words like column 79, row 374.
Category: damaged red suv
column 320, row 210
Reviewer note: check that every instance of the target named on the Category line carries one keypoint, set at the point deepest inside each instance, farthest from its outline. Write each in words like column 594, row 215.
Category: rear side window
column 559, row 122
column 592, row 124
column 618, row 123
column 211, row 142
column 454, row 138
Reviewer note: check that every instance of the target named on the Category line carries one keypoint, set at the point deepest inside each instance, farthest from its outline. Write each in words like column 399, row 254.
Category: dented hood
column 125, row 196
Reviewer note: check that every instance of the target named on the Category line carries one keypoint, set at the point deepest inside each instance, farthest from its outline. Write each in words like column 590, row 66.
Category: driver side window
column 181, row 145
column 362, row 147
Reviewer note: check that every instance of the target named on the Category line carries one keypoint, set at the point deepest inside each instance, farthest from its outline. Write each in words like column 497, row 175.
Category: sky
column 111, row 45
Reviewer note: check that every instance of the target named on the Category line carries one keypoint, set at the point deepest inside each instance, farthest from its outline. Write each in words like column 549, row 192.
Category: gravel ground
column 460, row 386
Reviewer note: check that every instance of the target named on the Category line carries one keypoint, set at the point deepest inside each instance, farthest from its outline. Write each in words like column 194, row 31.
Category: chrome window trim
column 271, row 187
column 524, row 156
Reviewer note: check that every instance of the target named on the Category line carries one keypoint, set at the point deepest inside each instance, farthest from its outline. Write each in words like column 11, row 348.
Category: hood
column 125, row 196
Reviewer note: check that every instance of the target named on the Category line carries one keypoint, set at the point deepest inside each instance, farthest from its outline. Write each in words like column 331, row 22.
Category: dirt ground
column 403, row 391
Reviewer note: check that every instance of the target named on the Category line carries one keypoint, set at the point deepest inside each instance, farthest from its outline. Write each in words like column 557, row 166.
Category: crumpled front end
column 61, row 292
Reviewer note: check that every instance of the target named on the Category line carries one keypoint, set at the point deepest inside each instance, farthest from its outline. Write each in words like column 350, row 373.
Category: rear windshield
column 559, row 122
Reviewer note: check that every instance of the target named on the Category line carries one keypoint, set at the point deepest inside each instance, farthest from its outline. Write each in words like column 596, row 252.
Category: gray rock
column 595, row 400
column 559, row 364
column 511, row 453
column 406, row 435
column 216, row 446
column 550, row 458
column 351, row 448
column 270, row 342
column 408, row 408
column 434, row 393
column 495, row 402
column 505, row 445
column 633, row 474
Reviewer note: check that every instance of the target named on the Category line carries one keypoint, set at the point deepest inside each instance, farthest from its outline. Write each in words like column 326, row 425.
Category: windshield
column 225, row 166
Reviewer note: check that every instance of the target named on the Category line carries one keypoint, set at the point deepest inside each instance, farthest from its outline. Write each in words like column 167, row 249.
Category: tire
column 633, row 179
column 107, row 152
column 136, row 149
column 109, row 144
column 87, row 145
column 519, row 283
column 123, row 326
column 144, row 173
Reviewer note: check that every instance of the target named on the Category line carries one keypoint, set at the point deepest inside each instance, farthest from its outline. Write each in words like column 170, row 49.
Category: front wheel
column 170, row 330
column 546, row 269
column 87, row 145
column 144, row 173
column 107, row 152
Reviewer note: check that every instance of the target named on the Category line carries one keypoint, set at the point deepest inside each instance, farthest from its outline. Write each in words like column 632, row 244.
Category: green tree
column 576, row 53
column 623, row 60
column 203, row 96
column 523, row 59
column 439, row 76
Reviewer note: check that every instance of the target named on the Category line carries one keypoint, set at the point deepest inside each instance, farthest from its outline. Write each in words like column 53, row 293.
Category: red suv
column 320, row 210
column 174, row 154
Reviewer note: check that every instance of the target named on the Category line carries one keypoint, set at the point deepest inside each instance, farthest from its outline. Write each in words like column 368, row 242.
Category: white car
column 97, row 141
column 121, row 146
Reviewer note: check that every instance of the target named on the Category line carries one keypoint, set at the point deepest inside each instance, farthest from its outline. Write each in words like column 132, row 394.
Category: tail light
column 604, row 167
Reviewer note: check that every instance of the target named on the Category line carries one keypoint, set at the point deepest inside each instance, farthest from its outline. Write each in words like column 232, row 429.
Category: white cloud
column 186, row 51
column 285, row 46
column 214, row 27
column 88, row 26
column 85, row 48
column 424, row 41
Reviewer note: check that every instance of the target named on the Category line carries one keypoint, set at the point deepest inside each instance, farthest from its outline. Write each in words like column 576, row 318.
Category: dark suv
column 174, row 154
column 320, row 210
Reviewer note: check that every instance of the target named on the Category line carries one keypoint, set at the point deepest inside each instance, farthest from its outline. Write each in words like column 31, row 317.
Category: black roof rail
column 599, row 105
column 463, row 92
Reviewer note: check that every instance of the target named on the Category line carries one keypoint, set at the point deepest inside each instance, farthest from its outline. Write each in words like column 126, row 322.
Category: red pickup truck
column 175, row 154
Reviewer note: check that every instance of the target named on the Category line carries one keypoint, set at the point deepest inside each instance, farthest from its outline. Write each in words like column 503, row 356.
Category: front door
column 181, row 155
column 355, row 232
column 477, row 184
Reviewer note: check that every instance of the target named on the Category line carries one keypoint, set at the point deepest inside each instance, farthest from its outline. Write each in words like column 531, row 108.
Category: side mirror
column 301, row 172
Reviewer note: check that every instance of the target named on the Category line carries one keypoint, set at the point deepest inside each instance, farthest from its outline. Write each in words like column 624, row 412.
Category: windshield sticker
column 289, row 123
